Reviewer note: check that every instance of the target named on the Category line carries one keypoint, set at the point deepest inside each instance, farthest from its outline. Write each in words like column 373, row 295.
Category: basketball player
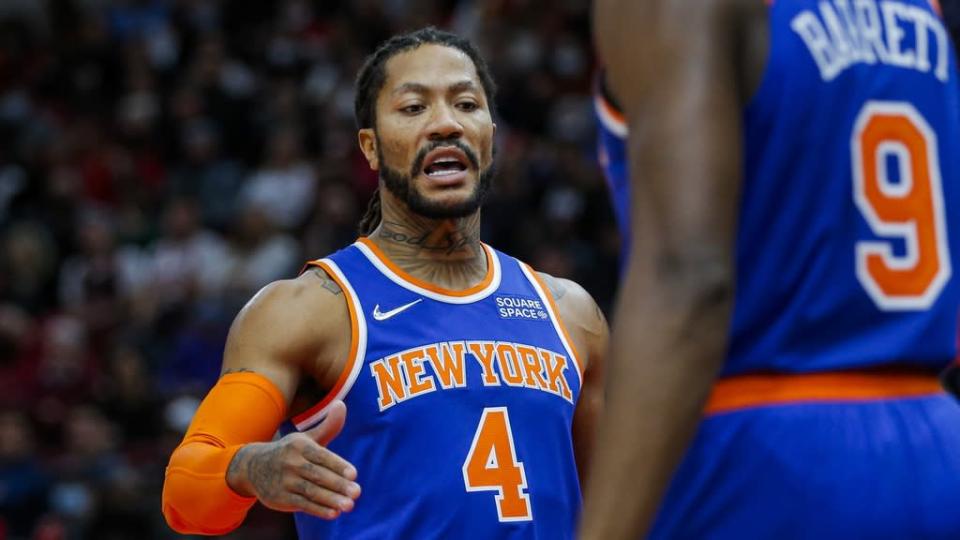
column 471, row 380
column 796, row 231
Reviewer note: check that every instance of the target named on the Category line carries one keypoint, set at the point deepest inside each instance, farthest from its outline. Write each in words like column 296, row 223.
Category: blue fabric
column 799, row 304
column 410, row 455
column 871, row 470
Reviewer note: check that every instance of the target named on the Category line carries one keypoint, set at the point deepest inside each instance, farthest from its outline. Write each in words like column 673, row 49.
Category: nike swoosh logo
column 384, row 315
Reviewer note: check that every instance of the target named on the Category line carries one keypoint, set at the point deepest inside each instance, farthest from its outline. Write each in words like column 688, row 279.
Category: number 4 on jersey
column 492, row 465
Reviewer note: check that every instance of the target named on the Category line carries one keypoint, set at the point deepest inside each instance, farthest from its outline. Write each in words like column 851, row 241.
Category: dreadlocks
column 371, row 218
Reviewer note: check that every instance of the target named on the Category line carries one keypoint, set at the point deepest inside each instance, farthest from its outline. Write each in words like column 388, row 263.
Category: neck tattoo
column 447, row 254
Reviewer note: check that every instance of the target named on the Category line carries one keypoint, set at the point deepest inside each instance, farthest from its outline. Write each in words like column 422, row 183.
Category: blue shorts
column 885, row 469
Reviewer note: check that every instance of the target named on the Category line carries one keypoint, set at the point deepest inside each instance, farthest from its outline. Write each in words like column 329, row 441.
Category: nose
column 444, row 124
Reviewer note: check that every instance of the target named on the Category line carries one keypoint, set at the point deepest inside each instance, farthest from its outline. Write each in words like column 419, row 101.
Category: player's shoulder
column 565, row 289
column 313, row 286
column 291, row 306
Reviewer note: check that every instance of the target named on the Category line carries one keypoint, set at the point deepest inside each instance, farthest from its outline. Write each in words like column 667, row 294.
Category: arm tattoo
column 234, row 467
column 599, row 320
column 598, row 313
column 264, row 471
column 326, row 282
column 557, row 288
column 262, row 468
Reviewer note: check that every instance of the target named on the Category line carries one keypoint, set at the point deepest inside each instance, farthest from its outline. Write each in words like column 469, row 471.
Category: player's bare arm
column 279, row 335
column 281, row 339
column 682, row 101
column 591, row 334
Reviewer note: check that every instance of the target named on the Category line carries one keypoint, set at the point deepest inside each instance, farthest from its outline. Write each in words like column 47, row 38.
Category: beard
column 401, row 185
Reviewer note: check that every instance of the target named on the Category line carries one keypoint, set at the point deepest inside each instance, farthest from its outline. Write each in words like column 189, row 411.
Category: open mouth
column 445, row 162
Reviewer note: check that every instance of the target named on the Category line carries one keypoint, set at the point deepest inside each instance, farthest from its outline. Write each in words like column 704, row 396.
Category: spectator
column 205, row 175
column 28, row 259
column 284, row 186
column 188, row 261
column 95, row 281
column 259, row 253
column 23, row 481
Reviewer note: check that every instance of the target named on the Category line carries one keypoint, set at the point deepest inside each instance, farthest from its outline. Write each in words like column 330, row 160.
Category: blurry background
column 161, row 160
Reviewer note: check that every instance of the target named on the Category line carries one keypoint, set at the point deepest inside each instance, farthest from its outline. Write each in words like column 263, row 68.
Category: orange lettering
column 413, row 362
column 447, row 360
column 483, row 352
column 390, row 384
column 558, row 383
column 531, row 367
column 509, row 364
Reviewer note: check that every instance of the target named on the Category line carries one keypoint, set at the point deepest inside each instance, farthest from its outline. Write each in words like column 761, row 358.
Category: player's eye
column 412, row 109
column 468, row 106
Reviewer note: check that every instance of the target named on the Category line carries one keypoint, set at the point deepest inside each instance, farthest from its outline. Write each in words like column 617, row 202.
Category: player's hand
column 297, row 472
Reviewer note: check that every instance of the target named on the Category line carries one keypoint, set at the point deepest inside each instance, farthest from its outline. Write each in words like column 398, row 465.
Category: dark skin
column 683, row 98
column 430, row 92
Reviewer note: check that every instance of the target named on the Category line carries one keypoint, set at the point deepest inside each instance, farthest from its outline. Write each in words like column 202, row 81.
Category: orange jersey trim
column 351, row 356
column 487, row 280
column 748, row 391
column 556, row 312
column 611, row 110
column 611, row 117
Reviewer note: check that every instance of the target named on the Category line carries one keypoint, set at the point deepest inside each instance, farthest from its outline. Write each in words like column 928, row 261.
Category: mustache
column 422, row 154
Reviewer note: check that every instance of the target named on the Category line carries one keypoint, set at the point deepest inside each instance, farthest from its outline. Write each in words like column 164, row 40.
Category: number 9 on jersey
column 910, row 208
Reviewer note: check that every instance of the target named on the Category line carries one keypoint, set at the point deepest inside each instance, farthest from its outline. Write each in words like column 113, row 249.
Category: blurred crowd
column 161, row 160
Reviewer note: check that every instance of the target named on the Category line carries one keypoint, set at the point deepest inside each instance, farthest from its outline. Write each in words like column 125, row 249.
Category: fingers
column 319, row 455
column 322, row 492
column 301, row 503
column 317, row 491
column 322, row 496
column 330, row 427
column 330, row 480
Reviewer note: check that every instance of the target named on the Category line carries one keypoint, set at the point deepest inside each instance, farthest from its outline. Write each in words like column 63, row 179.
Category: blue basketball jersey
column 459, row 405
column 849, row 232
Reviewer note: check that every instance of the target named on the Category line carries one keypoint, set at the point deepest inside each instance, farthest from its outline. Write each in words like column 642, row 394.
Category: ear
column 368, row 145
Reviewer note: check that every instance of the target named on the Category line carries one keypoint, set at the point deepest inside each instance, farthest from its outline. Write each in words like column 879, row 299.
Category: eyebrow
column 417, row 88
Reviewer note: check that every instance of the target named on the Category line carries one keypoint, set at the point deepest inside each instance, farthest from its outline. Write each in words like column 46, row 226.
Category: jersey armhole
column 358, row 347
column 544, row 292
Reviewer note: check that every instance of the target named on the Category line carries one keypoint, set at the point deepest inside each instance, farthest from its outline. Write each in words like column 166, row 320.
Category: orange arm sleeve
column 241, row 408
